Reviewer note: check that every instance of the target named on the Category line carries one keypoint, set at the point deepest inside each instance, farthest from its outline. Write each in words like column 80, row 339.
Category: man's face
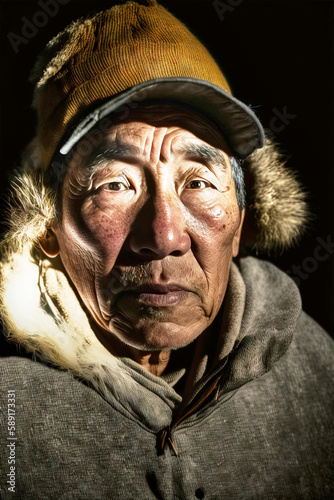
column 150, row 223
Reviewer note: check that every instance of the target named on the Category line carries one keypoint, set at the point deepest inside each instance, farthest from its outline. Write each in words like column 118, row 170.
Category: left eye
column 198, row 184
column 117, row 186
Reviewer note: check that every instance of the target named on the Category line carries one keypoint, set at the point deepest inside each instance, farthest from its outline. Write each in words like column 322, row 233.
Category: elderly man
column 151, row 361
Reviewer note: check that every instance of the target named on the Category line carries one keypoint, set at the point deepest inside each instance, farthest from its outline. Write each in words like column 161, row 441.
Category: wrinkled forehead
column 128, row 129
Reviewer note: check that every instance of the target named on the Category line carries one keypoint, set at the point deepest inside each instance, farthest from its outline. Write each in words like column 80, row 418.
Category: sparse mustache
column 131, row 276
column 136, row 275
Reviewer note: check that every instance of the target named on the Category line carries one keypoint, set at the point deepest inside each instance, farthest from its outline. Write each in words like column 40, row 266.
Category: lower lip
column 159, row 299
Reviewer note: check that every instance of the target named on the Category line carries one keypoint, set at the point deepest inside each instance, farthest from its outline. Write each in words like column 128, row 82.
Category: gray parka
column 255, row 420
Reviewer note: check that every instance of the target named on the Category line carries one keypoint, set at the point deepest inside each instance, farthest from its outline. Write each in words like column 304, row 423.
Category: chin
column 157, row 336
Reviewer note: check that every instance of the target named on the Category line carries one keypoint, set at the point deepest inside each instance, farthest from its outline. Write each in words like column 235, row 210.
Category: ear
column 237, row 235
column 49, row 244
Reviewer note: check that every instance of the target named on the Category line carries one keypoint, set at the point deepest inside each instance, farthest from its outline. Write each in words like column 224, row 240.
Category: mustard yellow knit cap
column 133, row 52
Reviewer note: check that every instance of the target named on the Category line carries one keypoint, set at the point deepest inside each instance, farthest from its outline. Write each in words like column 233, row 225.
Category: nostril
column 176, row 253
column 146, row 251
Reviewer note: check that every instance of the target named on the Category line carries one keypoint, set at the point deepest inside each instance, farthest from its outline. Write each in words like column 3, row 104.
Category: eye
column 116, row 186
column 198, row 184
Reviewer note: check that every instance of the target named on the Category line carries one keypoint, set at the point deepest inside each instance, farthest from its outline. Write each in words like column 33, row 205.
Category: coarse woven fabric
column 267, row 435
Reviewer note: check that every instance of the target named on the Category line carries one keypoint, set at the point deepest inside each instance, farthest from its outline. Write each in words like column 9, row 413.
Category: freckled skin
column 159, row 217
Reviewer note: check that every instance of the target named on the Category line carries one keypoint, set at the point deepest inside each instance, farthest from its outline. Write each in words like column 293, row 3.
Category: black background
column 275, row 54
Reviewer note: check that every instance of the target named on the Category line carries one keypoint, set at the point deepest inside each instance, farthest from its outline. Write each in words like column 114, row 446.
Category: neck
column 154, row 362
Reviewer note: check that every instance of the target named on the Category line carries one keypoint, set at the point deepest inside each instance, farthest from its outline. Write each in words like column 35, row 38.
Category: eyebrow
column 213, row 156
column 106, row 151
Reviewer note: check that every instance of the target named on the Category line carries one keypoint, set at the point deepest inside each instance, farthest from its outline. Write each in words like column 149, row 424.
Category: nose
column 160, row 230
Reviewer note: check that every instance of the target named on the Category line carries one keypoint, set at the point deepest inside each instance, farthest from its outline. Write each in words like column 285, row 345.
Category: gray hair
column 239, row 181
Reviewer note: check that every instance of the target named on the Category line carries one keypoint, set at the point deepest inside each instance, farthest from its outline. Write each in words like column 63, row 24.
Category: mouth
column 156, row 295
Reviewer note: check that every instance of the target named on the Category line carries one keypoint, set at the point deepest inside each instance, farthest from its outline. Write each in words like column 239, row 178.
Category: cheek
column 106, row 233
column 101, row 232
column 213, row 230
column 214, row 225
